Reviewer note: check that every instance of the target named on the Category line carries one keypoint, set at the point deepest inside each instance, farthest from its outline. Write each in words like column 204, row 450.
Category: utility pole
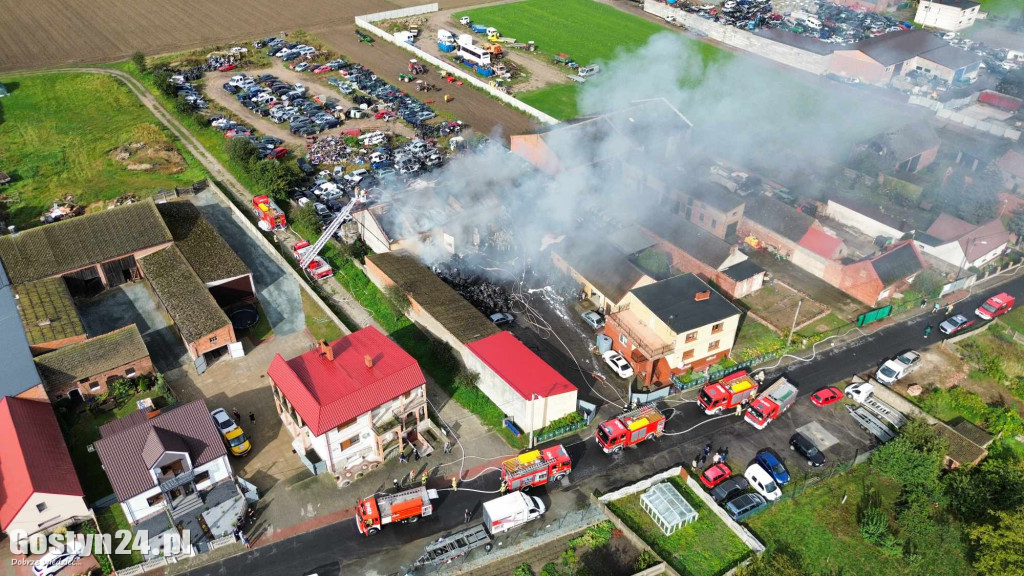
column 795, row 316
column 533, row 416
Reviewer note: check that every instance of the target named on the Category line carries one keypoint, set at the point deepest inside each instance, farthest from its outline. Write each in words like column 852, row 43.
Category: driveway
column 136, row 304
column 277, row 290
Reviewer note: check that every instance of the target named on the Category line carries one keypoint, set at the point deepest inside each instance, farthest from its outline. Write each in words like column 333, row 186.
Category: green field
column 57, row 132
column 687, row 550
column 587, row 31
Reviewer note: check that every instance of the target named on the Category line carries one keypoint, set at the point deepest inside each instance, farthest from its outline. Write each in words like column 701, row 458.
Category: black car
column 729, row 488
column 806, row 448
column 270, row 140
column 305, row 166
column 230, row 89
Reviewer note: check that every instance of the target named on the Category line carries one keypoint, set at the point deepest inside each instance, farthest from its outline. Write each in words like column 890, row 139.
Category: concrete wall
column 732, row 36
column 366, row 23
column 855, row 219
column 58, row 508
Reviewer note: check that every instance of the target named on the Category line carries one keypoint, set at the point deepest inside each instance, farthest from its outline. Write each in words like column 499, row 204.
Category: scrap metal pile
column 483, row 294
column 329, row 150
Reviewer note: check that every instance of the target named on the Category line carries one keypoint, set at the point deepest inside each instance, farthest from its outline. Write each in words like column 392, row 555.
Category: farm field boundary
column 366, row 23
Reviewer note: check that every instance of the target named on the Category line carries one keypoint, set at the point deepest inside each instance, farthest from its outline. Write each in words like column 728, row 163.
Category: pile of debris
column 62, row 211
column 329, row 150
column 483, row 294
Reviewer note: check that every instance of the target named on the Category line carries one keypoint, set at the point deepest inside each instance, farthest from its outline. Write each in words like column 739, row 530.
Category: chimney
column 702, row 296
column 326, row 351
column 368, row 360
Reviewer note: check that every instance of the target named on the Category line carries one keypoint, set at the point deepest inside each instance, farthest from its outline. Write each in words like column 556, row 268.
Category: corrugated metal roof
column 519, row 367
column 122, row 446
column 33, row 456
column 19, row 371
column 327, row 393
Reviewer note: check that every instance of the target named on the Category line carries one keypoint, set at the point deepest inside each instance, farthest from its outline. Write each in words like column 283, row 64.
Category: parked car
column 956, row 324
column 594, row 319
column 277, row 153
column 827, row 396
column 233, row 435
column 995, row 306
column 617, row 363
column 898, row 367
column 55, row 561
column 762, row 481
column 730, row 488
column 805, row 447
column 773, row 466
column 744, row 506
column 715, row 475
column 227, row 68
column 499, row 319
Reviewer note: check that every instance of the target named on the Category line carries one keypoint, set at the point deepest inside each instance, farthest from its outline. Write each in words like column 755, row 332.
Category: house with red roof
column 881, row 276
column 961, row 243
column 39, row 490
column 530, row 392
column 350, row 403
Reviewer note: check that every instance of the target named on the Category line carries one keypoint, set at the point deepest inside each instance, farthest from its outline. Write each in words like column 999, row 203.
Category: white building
column 947, row 15
column 350, row 402
column 963, row 244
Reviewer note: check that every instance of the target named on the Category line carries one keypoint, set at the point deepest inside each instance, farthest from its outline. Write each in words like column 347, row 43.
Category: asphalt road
column 327, row 550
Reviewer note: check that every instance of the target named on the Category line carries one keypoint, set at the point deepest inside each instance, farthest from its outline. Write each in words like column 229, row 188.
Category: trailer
column 630, row 428
column 454, row 546
column 478, row 28
column 771, row 404
column 871, row 424
column 535, row 468
column 561, row 58
column 409, row 506
column 734, row 390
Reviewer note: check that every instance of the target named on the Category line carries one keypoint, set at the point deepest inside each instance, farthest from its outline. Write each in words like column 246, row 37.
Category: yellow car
column 232, row 433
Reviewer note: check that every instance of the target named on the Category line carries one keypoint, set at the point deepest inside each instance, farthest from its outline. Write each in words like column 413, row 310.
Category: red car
column 233, row 133
column 322, row 69
column 277, row 153
column 227, row 68
column 715, row 475
column 827, row 396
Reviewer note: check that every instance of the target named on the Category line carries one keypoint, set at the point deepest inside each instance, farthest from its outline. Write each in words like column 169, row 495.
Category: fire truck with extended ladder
column 728, row 393
column 376, row 511
column 317, row 268
column 270, row 216
column 535, row 468
column 630, row 428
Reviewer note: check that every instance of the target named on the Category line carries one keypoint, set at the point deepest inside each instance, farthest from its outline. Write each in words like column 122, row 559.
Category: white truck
column 511, row 510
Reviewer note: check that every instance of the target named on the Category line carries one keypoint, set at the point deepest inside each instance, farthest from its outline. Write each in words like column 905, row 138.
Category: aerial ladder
column 312, row 252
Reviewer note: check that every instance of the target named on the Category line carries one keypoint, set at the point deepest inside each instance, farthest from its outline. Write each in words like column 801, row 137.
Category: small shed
column 667, row 507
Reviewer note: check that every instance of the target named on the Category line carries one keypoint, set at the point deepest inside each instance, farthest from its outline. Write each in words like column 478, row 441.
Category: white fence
column 366, row 23
column 948, row 112
column 640, row 486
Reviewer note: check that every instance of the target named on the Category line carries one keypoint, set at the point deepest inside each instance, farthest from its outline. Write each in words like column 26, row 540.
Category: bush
column 645, row 560
column 466, row 378
column 122, row 389
column 523, row 569
column 357, row 250
column 139, row 60
column 594, row 537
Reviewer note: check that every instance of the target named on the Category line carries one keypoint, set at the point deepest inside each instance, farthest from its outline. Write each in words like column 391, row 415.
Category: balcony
column 646, row 341
column 169, row 482
column 402, row 417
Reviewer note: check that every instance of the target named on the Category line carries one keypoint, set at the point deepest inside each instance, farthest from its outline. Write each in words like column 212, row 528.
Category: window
column 213, row 339
column 130, row 373
column 94, row 386
column 713, row 346
column 202, row 477
column 155, row 499
column 345, row 444
column 691, row 336
column 715, row 329
column 714, row 223
column 346, row 425
column 41, row 506
column 622, row 339
column 701, row 217
column 688, row 354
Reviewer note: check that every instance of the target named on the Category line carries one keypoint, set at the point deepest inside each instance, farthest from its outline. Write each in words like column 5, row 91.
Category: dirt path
column 315, row 85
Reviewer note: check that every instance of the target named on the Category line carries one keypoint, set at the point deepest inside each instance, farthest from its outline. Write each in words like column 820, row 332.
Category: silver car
column 593, row 319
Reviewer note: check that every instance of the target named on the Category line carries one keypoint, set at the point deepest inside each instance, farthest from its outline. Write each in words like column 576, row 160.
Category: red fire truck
column 535, row 468
column 727, row 393
column 630, row 428
column 771, row 404
column 270, row 216
column 408, row 506
column 318, row 268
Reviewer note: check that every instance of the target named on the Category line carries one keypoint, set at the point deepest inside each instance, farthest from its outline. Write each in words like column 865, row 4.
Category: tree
column 162, row 79
column 398, row 300
column 276, row 178
column 928, row 283
column 914, row 458
column 139, row 60
column 1000, row 545
column 242, row 152
column 523, row 570
column 1016, row 224
column 654, row 262
column 304, row 219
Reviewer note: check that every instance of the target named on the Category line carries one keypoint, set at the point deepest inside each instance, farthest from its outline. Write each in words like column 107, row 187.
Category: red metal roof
column 327, row 393
column 33, row 456
column 821, row 243
column 523, row 370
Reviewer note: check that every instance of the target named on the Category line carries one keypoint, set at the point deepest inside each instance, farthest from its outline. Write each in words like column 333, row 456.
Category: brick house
column 86, row 369
column 605, row 274
column 39, row 489
column 699, row 252
column 879, row 277
column 906, row 149
column 350, row 403
column 788, row 231
column 671, row 327
column 961, row 243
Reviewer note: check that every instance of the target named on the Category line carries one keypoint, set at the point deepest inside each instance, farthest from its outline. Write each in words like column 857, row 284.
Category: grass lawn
column 319, row 324
column 704, row 548
column 56, row 135
column 1015, row 320
column 558, row 100
column 110, row 520
column 755, row 339
column 822, row 531
column 824, row 324
column 1003, row 8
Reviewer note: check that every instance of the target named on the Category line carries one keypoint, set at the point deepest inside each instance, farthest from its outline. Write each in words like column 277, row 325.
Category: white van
column 445, row 36
column 511, row 510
